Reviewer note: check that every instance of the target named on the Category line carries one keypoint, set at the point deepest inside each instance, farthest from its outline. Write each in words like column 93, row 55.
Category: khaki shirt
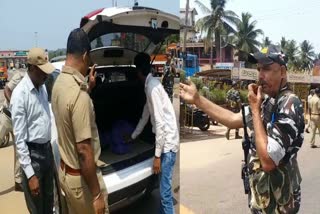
column 315, row 104
column 14, row 81
column 74, row 116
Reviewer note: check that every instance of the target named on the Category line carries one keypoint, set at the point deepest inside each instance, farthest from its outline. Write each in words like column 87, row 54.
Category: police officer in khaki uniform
column 6, row 124
column 315, row 115
column 78, row 138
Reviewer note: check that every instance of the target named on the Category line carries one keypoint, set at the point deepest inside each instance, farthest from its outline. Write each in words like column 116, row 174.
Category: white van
column 117, row 35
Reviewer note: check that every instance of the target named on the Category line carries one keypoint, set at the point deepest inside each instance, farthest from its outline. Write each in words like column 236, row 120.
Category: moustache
column 261, row 83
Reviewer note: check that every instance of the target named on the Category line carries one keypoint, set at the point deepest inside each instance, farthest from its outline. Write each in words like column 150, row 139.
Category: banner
column 235, row 74
column 299, row 78
column 248, row 74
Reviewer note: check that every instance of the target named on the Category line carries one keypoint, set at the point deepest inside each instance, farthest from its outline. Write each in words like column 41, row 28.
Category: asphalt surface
column 210, row 173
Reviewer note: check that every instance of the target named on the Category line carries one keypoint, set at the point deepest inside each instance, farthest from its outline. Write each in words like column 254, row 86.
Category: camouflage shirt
column 233, row 99
column 284, row 124
column 168, row 80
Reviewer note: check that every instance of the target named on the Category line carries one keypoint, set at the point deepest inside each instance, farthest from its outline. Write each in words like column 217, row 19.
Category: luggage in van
column 120, row 129
column 105, row 139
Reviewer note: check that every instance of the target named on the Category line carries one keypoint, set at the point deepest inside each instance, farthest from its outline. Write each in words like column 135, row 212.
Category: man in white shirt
column 164, row 125
column 32, row 129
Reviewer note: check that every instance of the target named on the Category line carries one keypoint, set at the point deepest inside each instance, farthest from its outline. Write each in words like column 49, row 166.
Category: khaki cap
column 37, row 56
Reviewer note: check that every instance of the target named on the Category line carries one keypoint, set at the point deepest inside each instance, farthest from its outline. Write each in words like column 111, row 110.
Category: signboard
column 248, row 74
column 20, row 53
column 235, row 74
column 252, row 74
column 315, row 79
column 298, row 78
column 239, row 64
column 224, row 65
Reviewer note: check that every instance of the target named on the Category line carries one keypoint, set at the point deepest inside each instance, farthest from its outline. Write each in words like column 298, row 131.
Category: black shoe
column 238, row 137
column 18, row 187
column 307, row 130
column 228, row 134
column 313, row 146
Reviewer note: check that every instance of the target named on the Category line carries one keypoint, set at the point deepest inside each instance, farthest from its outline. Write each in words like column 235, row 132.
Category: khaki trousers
column 77, row 194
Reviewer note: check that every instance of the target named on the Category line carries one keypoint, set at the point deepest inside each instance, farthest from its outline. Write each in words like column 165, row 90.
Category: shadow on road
column 194, row 134
column 7, row 191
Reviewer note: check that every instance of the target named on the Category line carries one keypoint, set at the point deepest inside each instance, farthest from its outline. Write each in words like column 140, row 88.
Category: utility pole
column 185, row 28
column 36, row 38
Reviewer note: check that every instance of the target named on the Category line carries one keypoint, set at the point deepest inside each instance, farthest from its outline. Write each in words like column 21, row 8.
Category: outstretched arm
column 190, row 94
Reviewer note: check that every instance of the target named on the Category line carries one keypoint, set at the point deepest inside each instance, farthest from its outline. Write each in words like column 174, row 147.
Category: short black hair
column 142, row 62
column 78, row 42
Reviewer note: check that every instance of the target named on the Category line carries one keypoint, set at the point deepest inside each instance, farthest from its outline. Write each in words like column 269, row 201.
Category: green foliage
column 215, row 93
column 58, row 52
column 198, row 82
column 182, row 76
column 244, row 96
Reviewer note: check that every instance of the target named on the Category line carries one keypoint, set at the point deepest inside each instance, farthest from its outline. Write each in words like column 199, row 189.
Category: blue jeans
column 167, row 163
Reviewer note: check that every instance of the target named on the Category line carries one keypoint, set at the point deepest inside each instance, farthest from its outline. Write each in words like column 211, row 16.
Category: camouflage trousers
column 169, row 91
column 292, row 208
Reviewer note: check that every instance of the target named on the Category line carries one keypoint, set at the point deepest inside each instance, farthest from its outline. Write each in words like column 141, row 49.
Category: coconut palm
column 266, row 42
column 283, row 43
column 245, row 38
column 306, row 55
column 217, row 22
column 291, row 51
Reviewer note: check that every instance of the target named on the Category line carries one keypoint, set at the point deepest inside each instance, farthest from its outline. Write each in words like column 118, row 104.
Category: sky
column 293, row 19
column 53, row 20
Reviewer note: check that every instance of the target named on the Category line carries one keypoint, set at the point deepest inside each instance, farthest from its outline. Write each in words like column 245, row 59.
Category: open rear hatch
column 116, row 36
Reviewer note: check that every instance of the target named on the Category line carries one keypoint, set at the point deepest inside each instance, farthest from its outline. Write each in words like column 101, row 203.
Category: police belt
column 6, row 112
column 68, row 169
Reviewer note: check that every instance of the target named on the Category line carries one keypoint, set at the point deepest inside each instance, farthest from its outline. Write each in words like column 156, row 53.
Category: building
column 191, row 23
column 15, row 57
column 209, row 64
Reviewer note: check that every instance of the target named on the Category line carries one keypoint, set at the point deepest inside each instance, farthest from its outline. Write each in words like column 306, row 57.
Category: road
column 210, row 174
column 13, row 202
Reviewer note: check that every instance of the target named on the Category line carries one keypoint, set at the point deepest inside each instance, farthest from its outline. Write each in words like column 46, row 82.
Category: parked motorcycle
column 195, row 117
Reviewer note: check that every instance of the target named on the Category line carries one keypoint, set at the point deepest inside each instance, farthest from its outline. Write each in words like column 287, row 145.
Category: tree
column 245, row 38
column 217, row 22
column 317, row 56
column 291, row 51
column 306, row 56
column 283, row 43
column 266, row 42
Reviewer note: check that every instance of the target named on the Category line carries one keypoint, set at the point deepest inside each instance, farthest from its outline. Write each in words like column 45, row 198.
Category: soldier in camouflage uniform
column 168, row 77
column 275, row 116
column 234, row 104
